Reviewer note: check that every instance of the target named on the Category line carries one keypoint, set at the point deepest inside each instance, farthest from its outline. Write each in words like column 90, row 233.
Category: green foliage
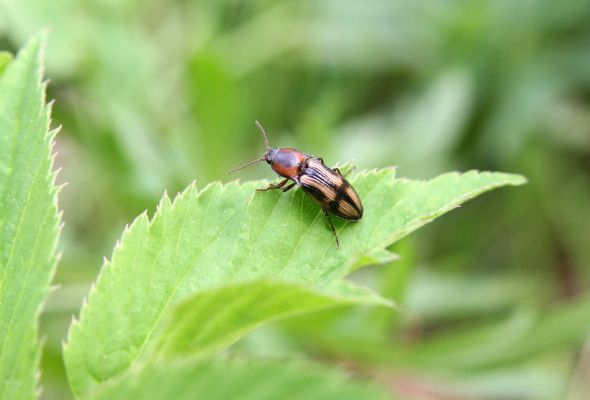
column 28, row 220
column 251, row 380
column 152, row 95
column 225, row 235
column 199, row 326
column 524, row 335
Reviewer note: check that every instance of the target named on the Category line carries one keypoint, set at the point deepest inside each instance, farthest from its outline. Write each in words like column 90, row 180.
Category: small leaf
column 199, row 326
column 227, row 234
column 28, row 220
column 251, row 380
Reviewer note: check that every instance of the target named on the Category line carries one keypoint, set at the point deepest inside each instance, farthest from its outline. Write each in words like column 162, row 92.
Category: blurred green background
column 154, row 94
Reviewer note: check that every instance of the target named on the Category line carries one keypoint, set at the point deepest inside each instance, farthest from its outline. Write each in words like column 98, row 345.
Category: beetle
column 326, row 186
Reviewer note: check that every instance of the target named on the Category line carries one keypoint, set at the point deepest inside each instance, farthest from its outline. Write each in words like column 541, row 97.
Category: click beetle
column 325, row 185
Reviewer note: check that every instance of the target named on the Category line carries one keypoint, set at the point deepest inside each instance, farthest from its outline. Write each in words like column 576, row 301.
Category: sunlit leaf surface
column 28, row 220
column 230, row 234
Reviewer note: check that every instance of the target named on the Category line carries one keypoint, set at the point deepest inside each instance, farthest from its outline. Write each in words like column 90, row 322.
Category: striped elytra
column 326, row 186
column 330, row 190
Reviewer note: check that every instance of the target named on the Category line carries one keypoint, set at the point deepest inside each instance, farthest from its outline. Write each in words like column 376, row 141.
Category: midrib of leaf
column 28, row 219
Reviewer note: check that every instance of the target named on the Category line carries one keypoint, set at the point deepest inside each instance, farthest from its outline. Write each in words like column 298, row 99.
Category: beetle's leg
column 327, row 214
column 273, row 186
column 287, row 188
column 340, row 173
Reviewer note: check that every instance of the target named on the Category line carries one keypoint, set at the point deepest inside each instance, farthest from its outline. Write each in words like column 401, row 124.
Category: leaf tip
column 519, row 180
column 164, row 205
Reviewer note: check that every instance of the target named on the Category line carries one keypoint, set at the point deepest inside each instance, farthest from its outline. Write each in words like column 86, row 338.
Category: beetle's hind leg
column 327, row 214
column 347, row 172
column 272, row 186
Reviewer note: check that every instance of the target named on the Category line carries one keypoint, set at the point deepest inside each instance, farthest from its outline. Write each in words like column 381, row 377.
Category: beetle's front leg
column 273, row 186
column 291, row 186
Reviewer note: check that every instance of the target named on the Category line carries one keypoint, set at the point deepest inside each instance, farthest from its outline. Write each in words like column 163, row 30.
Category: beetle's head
column 270, row 154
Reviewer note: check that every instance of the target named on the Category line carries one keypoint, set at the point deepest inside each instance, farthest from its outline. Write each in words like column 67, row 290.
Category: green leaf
column 244, row 380
column 28, row 219
column 198, row 326
column 213, row 319
column 227, row 234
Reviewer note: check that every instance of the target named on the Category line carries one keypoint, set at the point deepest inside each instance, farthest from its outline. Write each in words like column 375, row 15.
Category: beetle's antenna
column 245, row 165
column 261, row 129
column 263, row 133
